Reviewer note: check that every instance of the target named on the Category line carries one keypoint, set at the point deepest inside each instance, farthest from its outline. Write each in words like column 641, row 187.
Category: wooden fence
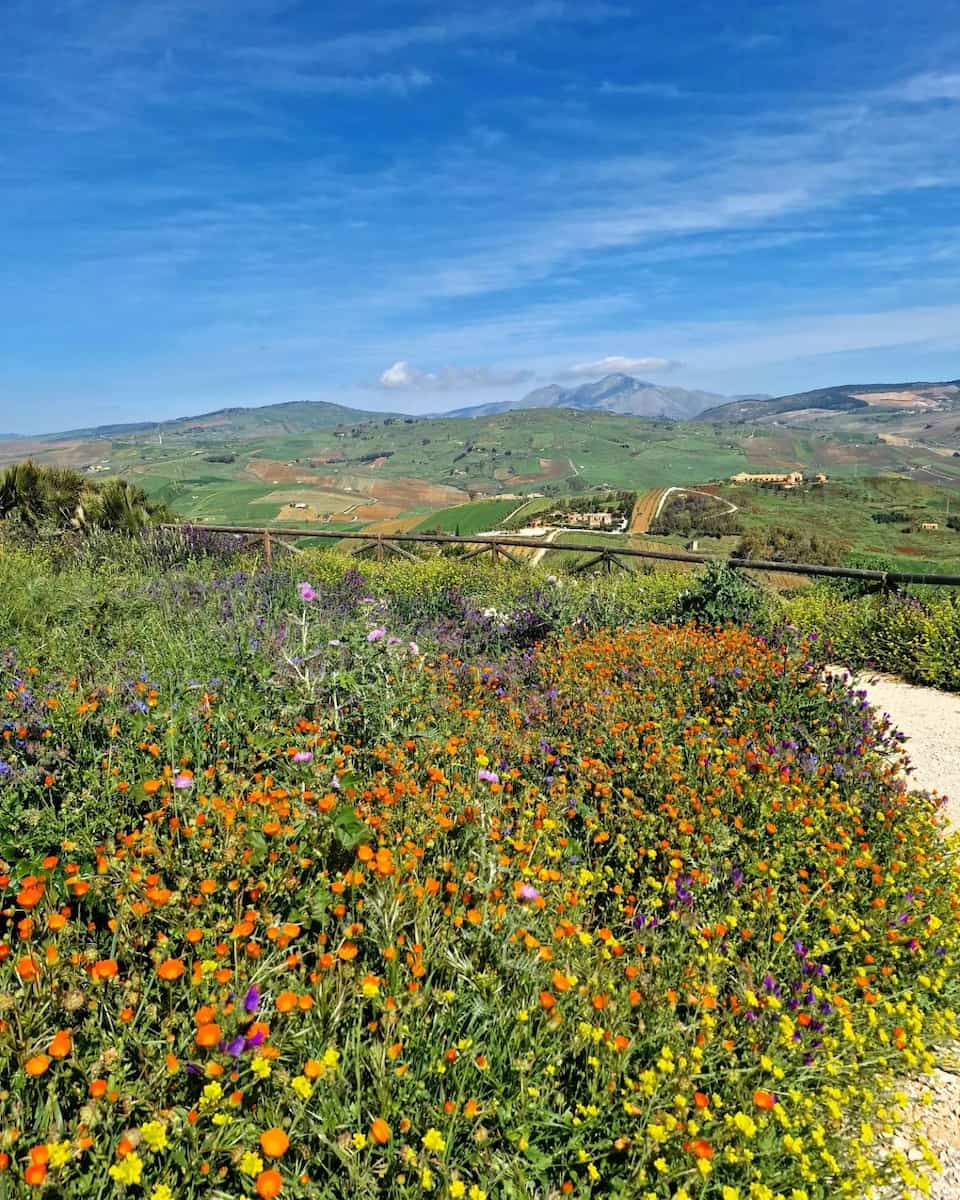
column 500, row 547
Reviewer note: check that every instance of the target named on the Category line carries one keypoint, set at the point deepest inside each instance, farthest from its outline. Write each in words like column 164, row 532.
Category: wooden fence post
column 267, row 548
column 379, row 547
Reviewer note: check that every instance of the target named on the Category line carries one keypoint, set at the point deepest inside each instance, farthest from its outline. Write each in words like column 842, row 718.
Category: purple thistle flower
column 303, row 756
column 488, row 776
column 180, row 782
column 528, row 892
column 251, row 1002
column 307, row 594
column 376, row 634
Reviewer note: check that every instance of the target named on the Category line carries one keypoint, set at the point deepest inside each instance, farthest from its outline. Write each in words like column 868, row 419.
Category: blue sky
column 421, row 205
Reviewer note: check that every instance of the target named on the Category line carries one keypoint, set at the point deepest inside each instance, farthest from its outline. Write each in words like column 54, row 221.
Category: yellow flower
column 58, row 1154
column 457, row 1189
column 260, row 1067
column 359, row 1141
column 301, row 1085
column 155, row 1135
column 251, row 1164
column 433, row 1140
column 210, row 1097
column 128, row 1171
column 426, row 1179
column 730, row 1193
column 745, row 1124
column 476, row 1193
column 331, row 1059
column 161, row 1192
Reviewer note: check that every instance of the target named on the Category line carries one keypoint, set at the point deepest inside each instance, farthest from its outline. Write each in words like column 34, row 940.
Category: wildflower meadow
column 433, row 880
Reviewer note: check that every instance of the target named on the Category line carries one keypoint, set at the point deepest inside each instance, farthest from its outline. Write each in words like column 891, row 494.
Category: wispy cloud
column 929, row 86
column 404, row 377
column 618, row 363
column 648, row 87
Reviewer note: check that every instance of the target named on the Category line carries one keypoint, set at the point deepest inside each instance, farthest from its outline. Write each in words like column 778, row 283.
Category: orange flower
column 209, row 1034
column 274, row 1143
column 98, row 1088
column 763, row 1099
column 29, row 897
column 105, row 968
column 547, row 1001
column 37, row 1065
column 269, row 1184
column 701, row 1099
column 171, row 969
column 701, row 1148
column 28, row 969
column 560, row 981
column 61, row 1045
column 35, row 1174
column 380, row 1131
column 286, row 1001
column 347, row 952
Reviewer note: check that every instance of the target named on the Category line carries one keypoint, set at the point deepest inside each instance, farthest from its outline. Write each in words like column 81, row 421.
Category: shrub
column 722, row 594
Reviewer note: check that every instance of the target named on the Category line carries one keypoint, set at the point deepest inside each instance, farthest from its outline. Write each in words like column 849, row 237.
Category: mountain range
column 622, row 394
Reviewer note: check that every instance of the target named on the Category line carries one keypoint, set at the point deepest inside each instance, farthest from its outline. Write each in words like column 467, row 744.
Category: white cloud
column 619, row 363
column 403, row 376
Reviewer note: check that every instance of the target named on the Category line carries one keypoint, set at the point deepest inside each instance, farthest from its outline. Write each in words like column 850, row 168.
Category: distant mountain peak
column 614, row 393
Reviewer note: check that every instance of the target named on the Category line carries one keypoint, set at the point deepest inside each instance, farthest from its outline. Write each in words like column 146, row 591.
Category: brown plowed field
column 644, row 508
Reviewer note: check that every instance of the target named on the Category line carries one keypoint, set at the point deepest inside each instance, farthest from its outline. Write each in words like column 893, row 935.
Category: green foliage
column 779, row 543
column 59, row 500
column 722, row 594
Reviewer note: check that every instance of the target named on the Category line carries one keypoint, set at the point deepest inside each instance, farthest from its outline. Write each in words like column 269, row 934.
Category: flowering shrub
column 609, row 913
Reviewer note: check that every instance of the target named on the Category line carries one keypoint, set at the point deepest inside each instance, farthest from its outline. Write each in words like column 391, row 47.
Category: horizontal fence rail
column 605, row 556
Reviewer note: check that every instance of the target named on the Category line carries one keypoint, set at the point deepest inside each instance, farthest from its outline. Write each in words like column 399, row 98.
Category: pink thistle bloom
column 528, row 892
column 307, row 594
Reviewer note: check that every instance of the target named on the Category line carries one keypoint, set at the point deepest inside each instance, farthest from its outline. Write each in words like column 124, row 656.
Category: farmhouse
column 592, row 520
column 790, row 479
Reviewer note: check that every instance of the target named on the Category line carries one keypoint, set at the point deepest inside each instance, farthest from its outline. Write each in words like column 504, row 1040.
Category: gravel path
column 931, row 721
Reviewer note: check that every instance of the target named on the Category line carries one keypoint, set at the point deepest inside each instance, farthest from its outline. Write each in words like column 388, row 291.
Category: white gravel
column 931, row 721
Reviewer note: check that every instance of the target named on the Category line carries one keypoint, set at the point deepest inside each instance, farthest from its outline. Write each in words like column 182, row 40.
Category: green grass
column 476, row 517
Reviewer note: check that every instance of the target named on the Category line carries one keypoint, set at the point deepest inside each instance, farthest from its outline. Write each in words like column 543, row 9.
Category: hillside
column 898, row 398
column 613, row 393
column 298, row 416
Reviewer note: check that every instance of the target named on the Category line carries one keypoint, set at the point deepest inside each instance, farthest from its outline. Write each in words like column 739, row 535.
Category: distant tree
column 778, row 544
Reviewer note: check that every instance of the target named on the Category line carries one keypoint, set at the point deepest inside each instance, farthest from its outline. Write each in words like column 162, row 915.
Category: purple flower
column 251, row 1001
column 376, row 634
column 303, row 756
column 414, row 648
column 528, row 892
column 307, row 594
column 488, row 776
column 182, row 781
column 256, row 1039
column 235, row 1047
